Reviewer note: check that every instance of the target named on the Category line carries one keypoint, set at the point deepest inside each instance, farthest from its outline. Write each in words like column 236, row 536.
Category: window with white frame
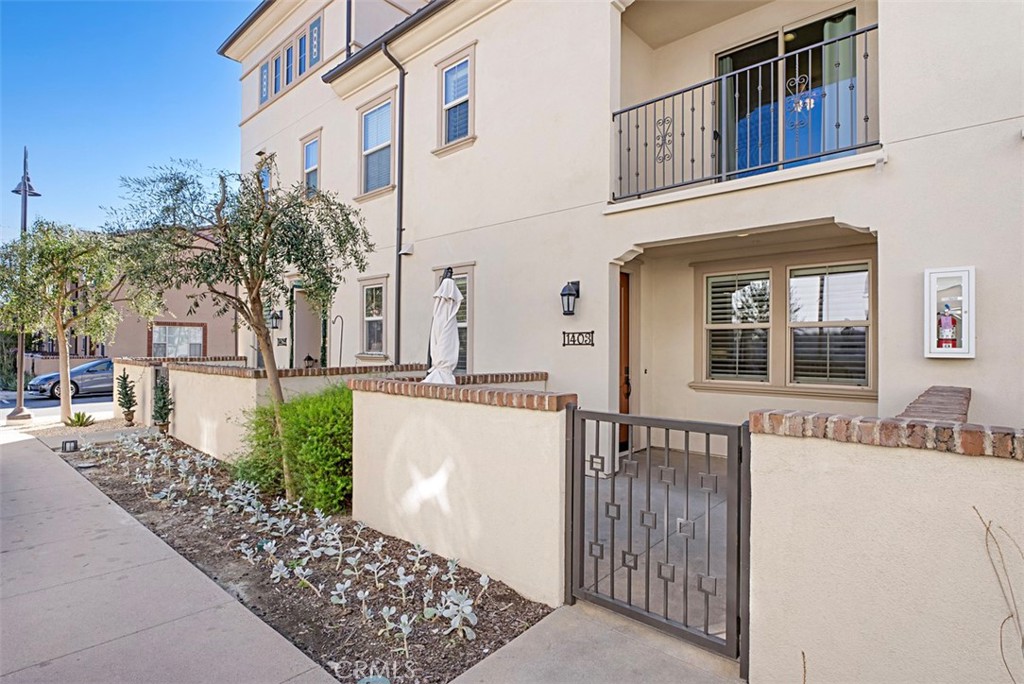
column 277, row 74
column 737, row 325
column 311, row 164
column 373, row 318
column 456, row 101
column 177, row 340
column 289, row 64
column 302, row 54
column 829, row 314
column 455, row 86
column 376, row 147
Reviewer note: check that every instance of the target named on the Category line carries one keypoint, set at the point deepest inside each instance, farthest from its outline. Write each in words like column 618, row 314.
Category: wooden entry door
column 625, row 386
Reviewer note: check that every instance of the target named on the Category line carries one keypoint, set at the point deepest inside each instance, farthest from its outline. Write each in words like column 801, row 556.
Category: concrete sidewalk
column 584, row 643
column 88, row 594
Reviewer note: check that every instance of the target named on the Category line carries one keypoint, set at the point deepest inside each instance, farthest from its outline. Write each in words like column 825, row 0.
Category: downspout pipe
column 348, row 28
column 399, row 188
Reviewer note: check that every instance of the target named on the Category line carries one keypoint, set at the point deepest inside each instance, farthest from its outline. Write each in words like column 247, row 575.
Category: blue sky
column 99, row 90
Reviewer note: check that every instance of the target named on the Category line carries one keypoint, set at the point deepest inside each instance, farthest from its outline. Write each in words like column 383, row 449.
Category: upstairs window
column 455, row 85
column 456, row 102
column 311, row 164
column 290, row 61
column 376, row 147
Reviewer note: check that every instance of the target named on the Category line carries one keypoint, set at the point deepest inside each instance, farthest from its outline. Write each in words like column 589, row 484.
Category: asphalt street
column 44, row 409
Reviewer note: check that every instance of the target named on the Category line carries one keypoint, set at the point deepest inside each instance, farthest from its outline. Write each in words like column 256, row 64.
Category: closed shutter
column 736, row 326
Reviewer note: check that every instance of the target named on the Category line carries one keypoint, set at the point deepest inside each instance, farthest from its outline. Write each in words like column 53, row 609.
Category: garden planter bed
column 252, row 547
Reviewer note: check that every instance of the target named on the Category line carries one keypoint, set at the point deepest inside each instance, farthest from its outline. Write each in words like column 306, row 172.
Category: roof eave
column 399, row 29
column 244, row 26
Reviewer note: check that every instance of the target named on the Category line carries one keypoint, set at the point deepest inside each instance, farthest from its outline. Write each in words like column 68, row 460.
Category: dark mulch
column 338, row 637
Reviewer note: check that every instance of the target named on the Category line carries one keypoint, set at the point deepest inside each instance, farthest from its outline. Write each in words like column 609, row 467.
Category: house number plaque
column 578, row 339
column 282, row 341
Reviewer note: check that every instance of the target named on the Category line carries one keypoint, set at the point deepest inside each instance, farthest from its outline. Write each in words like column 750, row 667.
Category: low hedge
column 318, row 438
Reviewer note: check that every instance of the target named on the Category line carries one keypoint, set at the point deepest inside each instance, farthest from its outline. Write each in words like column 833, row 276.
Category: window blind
column 738, row 314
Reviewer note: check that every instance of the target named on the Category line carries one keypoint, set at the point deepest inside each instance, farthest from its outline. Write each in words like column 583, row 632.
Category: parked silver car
column 95, row 377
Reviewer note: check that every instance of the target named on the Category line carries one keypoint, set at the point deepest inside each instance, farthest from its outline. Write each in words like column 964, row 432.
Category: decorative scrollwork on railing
column 798, row 101
column 663, row 140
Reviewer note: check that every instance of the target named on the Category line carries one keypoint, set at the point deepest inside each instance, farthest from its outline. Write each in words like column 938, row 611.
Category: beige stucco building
column 751, row 195
column 172, row 333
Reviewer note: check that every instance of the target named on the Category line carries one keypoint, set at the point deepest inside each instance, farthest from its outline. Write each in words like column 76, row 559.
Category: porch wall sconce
column 570, row 293
column 309, row 361
column 275, row 319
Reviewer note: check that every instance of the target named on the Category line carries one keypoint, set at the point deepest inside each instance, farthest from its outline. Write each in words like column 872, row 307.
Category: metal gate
column 659, row 514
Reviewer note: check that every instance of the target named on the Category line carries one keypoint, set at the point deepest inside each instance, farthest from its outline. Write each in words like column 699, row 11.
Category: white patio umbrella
column 444, row 334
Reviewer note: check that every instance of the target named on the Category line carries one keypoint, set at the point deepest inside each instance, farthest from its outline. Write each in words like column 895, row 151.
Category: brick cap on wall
column 495, row 378
column 487, row 396
column 261, row 373
column 161, row 360
column 940, row 403
column 955, row 437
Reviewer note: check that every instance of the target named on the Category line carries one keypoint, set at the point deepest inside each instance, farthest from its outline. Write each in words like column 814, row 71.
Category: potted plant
column 126, row 397
column 162, row 404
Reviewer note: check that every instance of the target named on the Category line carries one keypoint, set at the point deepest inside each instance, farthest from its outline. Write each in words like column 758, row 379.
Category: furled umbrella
column 444, row 332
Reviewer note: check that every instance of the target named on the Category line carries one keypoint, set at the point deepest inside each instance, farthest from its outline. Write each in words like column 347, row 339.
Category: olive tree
column 240, row 240
column 60, row 280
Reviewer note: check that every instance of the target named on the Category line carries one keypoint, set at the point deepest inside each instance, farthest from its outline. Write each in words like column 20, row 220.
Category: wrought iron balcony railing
column 809, row 105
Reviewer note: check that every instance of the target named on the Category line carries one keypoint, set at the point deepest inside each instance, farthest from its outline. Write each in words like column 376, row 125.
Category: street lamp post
column 26, row 190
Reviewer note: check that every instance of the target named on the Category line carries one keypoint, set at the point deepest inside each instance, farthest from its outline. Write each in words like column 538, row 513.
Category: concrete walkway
column 88, row 594
column 584, row 643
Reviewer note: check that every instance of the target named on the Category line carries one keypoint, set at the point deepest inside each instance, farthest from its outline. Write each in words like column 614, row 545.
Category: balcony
column 759, row 114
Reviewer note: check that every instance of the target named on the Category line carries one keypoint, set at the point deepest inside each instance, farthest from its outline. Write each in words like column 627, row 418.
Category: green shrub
column 80, row 419
column 318, row 436
column 262, row 460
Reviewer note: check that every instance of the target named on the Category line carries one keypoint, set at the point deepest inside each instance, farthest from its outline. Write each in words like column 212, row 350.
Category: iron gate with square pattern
column 659, row 513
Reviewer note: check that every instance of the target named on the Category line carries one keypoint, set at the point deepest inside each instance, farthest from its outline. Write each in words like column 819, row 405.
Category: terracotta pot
column 129, row 418
column 162, row 427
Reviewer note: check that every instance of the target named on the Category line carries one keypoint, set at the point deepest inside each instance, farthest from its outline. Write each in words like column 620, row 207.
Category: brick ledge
column 494, row 378
column 968, row 439
column 161, row 360
column 486, row 396
column 261, row 373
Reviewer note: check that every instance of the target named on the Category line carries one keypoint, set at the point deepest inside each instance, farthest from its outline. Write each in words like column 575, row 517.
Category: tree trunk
column 276, row 399
column 64, row 364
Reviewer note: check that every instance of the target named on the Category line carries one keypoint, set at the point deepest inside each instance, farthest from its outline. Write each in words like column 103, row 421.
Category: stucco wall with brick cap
column 936, row 420
column 868, row 559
